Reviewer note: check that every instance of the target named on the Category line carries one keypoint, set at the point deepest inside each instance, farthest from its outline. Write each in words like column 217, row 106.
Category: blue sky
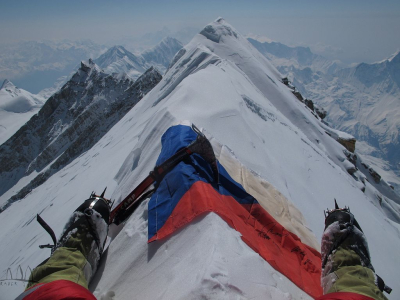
column 351, row 30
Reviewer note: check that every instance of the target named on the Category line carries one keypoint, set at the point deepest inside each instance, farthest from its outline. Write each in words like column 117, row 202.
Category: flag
column 190, row 190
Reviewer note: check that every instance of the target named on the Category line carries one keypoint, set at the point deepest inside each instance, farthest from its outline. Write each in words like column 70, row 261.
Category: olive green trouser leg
column 65, row 263
column 350, row 276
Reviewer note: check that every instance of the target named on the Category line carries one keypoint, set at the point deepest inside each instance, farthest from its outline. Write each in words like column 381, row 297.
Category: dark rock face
column 298, row 96
column 310, row 104
column 321, row 112
column 69, row 123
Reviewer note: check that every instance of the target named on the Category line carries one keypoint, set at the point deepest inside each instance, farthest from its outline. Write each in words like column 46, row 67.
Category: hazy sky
column 350, row 30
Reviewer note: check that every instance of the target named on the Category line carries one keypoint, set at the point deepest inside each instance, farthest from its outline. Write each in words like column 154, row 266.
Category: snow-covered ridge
column 390, row 58
column 235, row 94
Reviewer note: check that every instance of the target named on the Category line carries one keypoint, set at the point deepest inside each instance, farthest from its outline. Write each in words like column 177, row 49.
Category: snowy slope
column 222, row 84
column 17, row 106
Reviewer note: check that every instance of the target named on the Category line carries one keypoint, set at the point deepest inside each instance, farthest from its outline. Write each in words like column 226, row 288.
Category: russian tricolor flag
column 189, row 190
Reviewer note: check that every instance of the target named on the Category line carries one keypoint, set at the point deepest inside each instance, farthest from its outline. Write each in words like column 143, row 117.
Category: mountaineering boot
column 77, row 253
column 347, row 234
column 346, row 261
column 87, row 229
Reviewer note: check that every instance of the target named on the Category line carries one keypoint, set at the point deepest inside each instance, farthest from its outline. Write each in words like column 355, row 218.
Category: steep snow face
column 17, row 106
column 222, row 84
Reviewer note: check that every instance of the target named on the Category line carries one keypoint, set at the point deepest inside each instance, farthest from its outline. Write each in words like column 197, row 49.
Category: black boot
column 347, row 234
column 344, row 248
column 87, row 229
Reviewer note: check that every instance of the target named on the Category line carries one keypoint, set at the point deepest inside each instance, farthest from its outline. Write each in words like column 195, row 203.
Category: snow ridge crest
column 217, row 30
column 7, row 84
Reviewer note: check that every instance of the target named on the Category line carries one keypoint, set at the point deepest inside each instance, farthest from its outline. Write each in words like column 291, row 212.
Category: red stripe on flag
column 281, row 249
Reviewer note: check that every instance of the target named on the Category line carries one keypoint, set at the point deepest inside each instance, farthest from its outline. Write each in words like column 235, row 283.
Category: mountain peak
column 162, row 54
column 112, row 54
column 217, row 30
column 168, row 42
column 118, row 49
column 89, row 65
column 117, row 59
column 395, row 56
column 7, row 84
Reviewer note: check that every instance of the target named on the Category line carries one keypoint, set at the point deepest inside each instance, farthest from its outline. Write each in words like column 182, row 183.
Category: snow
column 117, row 59
column 219, row 266
column 225, row 86
column 17, row 106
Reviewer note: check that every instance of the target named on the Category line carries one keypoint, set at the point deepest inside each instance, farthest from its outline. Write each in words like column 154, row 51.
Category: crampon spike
column 336, row 205
column 102, row 194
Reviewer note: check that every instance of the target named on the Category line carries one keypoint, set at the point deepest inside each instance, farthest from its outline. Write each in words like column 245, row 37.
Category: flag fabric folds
column 189, row 190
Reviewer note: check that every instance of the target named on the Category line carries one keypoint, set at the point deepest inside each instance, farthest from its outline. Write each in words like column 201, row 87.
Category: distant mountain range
column 363, row 100
column 17, row 106
column 36, row 65
column 299, row 57
column 118, row 59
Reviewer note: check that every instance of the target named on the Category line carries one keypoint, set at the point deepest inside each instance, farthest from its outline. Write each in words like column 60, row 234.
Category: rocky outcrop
column 377, row 178
column 298, row 96
column 309, row 103
column 69, row 123
column 321, row 112
column 348, row 143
